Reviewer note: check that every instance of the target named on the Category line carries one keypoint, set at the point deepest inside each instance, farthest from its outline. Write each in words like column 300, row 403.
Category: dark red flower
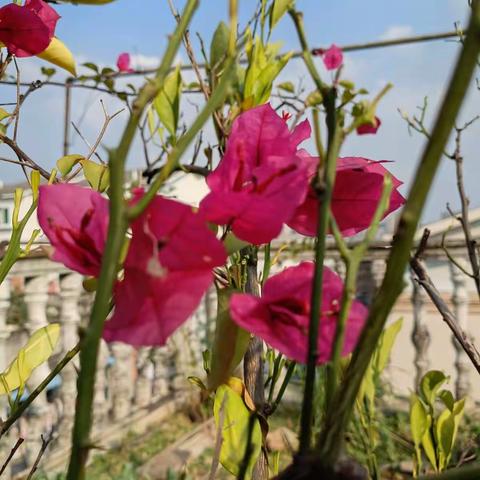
column 369, row 128
column 358, row 187
column 27, row 30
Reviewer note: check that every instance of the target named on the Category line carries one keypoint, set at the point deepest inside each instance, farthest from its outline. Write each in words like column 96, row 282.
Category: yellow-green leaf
column 386, row 343
column 97, row 175
column 428, row 446
column 230, row 342
column 38, row 349
column 418, row 420
column 167, row 102
column 66, row 163
column 236, row 428
column 430, row 384
column 445, row 432
column 219, row 47
column 278, row 10
column 58, row 54
column 3, row 114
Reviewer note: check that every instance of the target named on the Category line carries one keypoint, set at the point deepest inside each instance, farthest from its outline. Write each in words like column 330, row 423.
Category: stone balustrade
column 133, row 385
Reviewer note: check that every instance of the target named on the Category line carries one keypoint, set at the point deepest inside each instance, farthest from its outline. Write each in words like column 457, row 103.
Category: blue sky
column 141, row 27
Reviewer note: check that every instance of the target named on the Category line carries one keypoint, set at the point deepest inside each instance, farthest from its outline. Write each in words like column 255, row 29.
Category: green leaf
column 66, row 163
column 3, row 114
column 219, row 47
column 236, row 426
column 167, row 102
column 230, row 343
column 278, row 10
column 37, row 350
column 430, row 384
column 233, row 244
column 418, row 420
column 446, row 397
column 58, row 54
column 385, row 345
column 263, row 68
column 428, row 446
column 98, row 176
column 444, row 432
column 287, row 86
column 91, row 66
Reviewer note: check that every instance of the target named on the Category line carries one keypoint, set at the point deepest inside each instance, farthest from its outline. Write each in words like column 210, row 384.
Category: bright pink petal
column 358, row 187
column 75, row 220
column 333, row 57
column 148, row 309
column 123, row 63
column 368, row 128
column 262, row 177
column 22, row 31
column 281, row 316
column 167, row 271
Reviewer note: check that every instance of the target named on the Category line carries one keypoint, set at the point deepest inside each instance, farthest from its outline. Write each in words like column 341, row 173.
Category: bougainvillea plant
column 150, row 258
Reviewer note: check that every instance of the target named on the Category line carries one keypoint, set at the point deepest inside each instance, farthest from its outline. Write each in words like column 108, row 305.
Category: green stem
column 392, row 285
column 215, row 100
column 469, row 472
column 283, row 387
column 324, row 197
column 39, row 389
column 352, row 261
column 118, row 224
column 267, row 263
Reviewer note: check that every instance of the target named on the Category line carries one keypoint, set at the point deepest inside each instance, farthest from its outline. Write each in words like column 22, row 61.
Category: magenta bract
column 281, row 315
column 123, row 63
column 75, row 220
column 358, row 187
column 332, row 57
column 167, row 271
column 368, row 128
column 27, row 30
column 262, row 177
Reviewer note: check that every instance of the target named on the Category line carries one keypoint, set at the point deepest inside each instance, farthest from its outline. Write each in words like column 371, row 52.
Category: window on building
column 4, row 216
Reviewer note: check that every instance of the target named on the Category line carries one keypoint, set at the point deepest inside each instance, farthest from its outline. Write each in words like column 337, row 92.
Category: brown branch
column 425, row 281
column 43, row 448
column 464, row 201
column 10, row 456
column 23, row 157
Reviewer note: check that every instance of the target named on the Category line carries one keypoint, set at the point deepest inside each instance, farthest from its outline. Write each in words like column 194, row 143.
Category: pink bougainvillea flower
column 358, row 187
column 262, row 177
column 27, row 30
column 368, row 128
column 281, row 315
column 75, row 220
column 332, row 57
column 123, row 63
column 166, row 273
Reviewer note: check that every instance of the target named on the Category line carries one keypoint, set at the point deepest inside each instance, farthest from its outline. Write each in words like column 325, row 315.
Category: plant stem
column 323, row 185
column 352, row 260
column 469, row 472
column 324, row 191
column 392, row 285
column 215, row 100
column 118, row 224
column 39, row 389
column 283, row 387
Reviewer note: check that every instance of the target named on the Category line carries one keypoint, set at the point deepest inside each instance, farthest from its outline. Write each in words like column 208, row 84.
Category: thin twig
column 10, row 455
column 425, row 281
column 43, row 448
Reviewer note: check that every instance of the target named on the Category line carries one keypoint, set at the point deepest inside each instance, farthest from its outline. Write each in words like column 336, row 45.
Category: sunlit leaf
column 3, row 114
column 97, row 175
column 66, row 163
column 230, row 343
column 237, row 426
column 219, row 47
column 167, row 102
column 278, row 10
column 38, row 349
column 58, row 54
column 430, row 384
column 386, row 344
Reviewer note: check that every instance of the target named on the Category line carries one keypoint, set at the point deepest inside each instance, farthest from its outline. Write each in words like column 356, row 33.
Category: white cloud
column 397, row 31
